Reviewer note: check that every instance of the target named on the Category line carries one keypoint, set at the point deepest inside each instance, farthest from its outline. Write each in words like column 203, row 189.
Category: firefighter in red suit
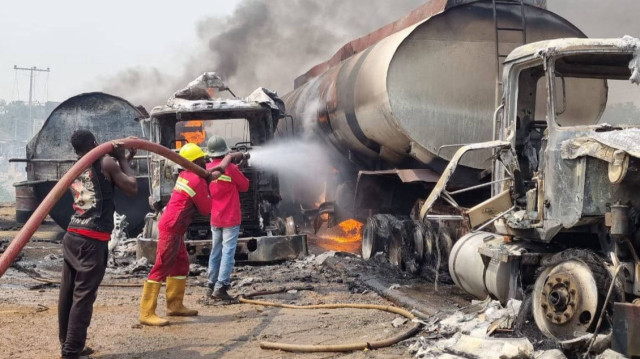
column 190, row 195
column 226, row 218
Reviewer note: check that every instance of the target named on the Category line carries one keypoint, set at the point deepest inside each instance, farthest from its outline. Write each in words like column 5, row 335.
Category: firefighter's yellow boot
column 175, row 295
column 148, row 305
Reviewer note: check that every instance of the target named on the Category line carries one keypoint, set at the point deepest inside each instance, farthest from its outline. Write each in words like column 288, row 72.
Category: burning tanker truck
column 526, row 182
column 194, row 114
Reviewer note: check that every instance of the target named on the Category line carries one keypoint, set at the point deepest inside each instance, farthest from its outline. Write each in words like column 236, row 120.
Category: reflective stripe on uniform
column 224, row 178
column 183, row 184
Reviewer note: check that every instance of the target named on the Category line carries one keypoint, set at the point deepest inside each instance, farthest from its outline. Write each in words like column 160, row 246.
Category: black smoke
column 262, row 43
column 271, row 42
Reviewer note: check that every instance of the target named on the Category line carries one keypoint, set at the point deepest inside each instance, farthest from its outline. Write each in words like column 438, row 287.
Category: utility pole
column 31, row 70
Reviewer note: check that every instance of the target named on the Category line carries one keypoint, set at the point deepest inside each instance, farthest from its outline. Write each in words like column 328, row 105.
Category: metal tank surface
column 49, row 154
column 423, row 82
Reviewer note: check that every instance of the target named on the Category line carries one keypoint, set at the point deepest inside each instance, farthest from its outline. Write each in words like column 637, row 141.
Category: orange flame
column 345, row 237
column 351, row 231
column 192, row 132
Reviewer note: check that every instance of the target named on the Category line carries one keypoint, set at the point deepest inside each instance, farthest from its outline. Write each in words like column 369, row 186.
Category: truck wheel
column 419, row 231
column 370, row 241
column 395, row 244
column 565, row 299
column 376, row 235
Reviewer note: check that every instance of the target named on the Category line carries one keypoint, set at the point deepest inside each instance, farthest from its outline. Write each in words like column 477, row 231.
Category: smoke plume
column 597, row 18
column 263, row 43
column 270, row 42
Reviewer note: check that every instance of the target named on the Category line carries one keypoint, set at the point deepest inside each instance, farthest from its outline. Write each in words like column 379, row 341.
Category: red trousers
column 172, row 259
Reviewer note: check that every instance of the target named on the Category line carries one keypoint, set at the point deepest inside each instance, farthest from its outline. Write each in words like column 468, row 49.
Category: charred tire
column 395, row 245
column 376, row 235
column 569, row 293
column 429, row 246
column 419, row 231
column 406, row 230
column 371, row 244
column 445, row 245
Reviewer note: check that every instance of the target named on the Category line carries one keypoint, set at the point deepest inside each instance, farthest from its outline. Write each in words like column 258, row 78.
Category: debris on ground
column 246, row 281
column 321, row 258
column 482, row 318
column 581, row 344
column 549, row 354
column 610, row 354
column 468, row 329
column 197, row 270
column 398, row 322
column 466, row 346
column 140, row 265
column 119, row 233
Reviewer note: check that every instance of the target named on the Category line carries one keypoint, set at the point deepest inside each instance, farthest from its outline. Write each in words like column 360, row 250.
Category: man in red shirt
column 190, row 195
column 225, row 220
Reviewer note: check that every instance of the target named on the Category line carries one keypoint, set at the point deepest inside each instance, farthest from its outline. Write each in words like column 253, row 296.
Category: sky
column 86, row 43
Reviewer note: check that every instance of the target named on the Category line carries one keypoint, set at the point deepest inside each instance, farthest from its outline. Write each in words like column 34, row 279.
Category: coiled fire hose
column 310, row 348
column 83, row 163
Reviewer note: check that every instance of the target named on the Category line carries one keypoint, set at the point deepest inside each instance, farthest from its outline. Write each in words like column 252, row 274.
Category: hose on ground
column 102, row 284
column 311, row 348
column 25, row 233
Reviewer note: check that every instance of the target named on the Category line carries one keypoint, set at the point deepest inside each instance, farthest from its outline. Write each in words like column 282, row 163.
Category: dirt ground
column 28, row 309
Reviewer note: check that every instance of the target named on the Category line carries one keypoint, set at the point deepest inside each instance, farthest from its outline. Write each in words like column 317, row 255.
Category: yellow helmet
column 191, row 152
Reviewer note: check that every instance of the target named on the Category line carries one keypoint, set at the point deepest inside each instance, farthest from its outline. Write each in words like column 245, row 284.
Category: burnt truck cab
column 192, row 116
column 563, row 219
column 571, row 114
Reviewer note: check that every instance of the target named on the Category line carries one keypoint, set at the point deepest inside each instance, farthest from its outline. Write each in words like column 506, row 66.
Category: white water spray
column 303, row 160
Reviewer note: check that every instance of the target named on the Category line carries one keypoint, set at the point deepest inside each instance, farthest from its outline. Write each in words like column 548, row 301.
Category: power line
column 16, row 88
column 31, row 70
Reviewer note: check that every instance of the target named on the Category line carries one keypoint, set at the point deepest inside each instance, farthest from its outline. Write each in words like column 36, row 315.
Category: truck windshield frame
column 233, row 130
column 571, row 73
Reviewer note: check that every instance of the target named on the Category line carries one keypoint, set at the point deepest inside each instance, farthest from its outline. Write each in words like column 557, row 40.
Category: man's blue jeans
column 221, row 258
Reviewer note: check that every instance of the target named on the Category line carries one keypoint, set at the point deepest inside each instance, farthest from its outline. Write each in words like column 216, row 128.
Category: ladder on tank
column 499, row 29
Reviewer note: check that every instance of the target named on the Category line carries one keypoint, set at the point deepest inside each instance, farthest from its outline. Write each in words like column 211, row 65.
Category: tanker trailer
column 394, row 106
column 49, row 156
column 561, row 212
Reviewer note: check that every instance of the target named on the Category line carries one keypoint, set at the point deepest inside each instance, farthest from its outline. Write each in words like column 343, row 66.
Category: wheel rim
column 368, row 240
column 565, row 300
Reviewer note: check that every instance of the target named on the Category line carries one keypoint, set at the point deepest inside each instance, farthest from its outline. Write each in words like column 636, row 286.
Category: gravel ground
column 28, row 309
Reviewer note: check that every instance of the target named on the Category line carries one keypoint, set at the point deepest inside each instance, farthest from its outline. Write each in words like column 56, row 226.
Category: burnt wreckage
column 49, row 156
column 192, row 115
column 465, row 123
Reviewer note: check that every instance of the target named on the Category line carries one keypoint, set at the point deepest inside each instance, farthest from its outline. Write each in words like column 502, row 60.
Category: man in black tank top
column 85, row 245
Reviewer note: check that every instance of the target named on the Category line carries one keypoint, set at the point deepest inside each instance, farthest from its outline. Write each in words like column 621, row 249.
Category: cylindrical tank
column 470, row 272
column 26, row 201
column 428, row 85
column 50, row 154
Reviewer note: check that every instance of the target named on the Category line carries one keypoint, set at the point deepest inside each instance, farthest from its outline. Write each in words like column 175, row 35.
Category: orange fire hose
column 83, row 163
column 310, row 348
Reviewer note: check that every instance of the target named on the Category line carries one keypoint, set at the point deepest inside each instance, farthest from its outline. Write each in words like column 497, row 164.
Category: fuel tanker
column 487, row 142
column 403, row 97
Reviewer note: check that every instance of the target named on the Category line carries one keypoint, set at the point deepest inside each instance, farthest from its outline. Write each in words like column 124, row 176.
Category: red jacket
column 225, row 196
column 189, row 195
